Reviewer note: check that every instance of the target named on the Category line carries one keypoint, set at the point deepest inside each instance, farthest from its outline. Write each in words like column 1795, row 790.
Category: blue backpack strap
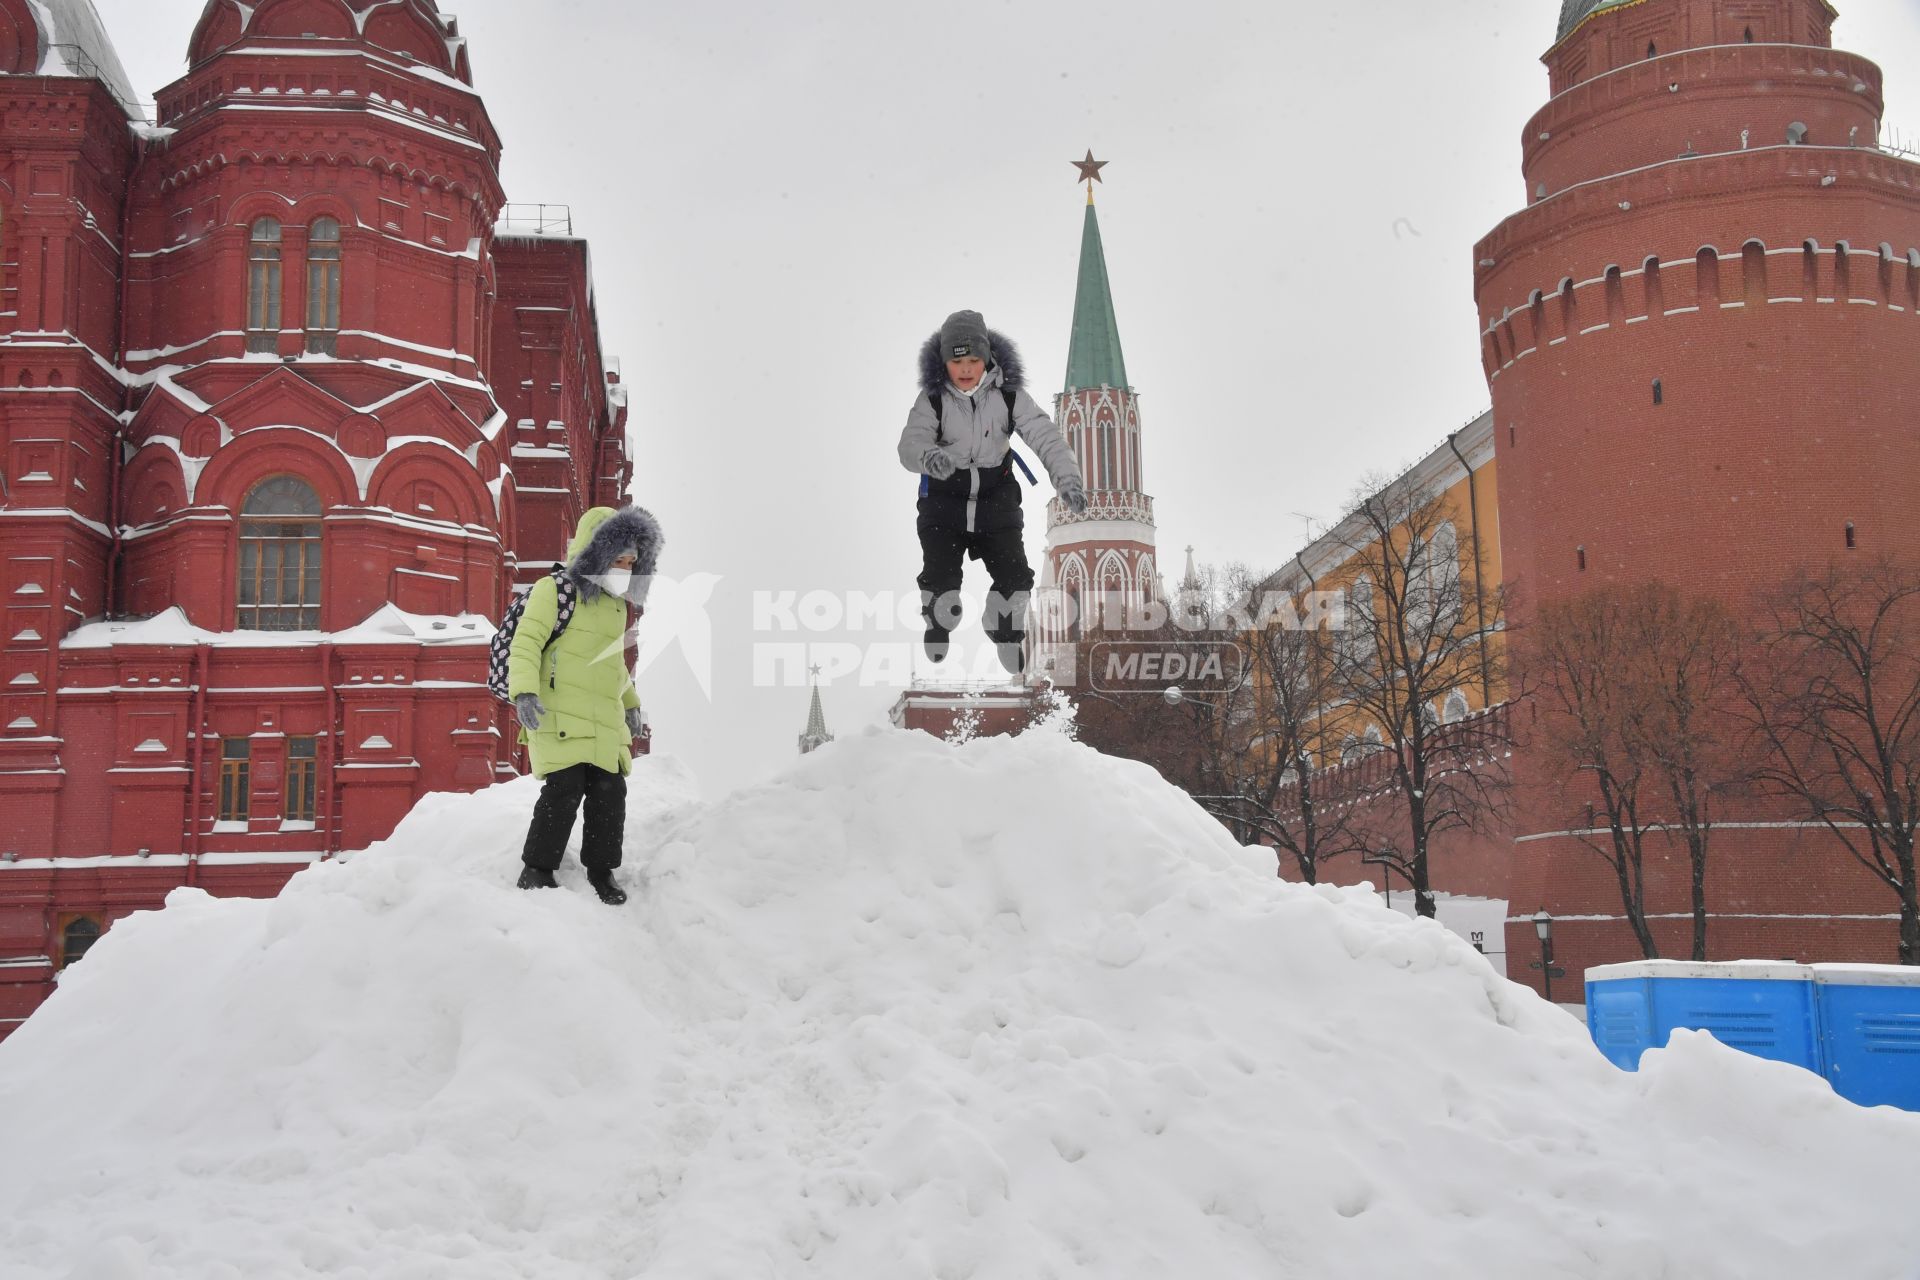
column 938, row 399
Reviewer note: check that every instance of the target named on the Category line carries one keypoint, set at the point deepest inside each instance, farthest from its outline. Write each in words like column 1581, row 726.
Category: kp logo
column 676, row 613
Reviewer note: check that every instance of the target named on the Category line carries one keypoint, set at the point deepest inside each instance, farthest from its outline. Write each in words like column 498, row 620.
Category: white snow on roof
column 388, row 624
column 1012, row 1009
column 74, row 42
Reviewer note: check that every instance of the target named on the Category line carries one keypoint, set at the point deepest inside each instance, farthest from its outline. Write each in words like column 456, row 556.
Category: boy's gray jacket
column 974, row 429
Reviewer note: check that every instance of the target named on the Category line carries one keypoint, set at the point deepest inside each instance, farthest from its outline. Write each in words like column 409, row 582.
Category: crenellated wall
column 1775, row 313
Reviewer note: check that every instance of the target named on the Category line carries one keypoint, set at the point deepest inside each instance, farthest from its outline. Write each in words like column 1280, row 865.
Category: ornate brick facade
column 287, row 398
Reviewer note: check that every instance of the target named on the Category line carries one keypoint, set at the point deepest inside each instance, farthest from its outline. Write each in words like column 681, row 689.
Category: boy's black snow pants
column 943, row 555
column 606, row 798
column 975, row 513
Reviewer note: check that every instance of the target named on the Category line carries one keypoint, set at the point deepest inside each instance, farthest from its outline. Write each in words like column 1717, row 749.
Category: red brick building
column 1700, row 334
column 288, row 397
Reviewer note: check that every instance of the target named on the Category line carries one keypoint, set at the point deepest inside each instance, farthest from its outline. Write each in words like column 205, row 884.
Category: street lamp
column 1383, row 860
column 1543, row 926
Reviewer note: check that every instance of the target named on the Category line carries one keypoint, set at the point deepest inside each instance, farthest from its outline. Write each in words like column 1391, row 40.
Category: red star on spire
column 1089, row 168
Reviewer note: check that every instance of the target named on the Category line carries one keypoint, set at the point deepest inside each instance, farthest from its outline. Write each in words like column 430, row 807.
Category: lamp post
column 1383, row 860
column 1543, row 926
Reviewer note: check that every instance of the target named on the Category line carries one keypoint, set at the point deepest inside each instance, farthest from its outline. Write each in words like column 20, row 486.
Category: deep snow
column 1008, row 1009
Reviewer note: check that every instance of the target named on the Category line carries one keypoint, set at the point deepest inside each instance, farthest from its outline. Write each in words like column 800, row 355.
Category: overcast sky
column 784, row 200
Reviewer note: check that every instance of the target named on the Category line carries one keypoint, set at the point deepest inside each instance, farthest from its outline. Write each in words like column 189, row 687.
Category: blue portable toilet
column 1764, row 1007
column 1870, row 1031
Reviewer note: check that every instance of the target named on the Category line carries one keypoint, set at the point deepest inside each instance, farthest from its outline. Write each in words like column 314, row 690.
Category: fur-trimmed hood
column 1006, row 358
column 606, row 534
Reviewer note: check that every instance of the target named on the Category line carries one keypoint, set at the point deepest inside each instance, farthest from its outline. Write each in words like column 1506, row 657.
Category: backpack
column 938, row 400
column 502, row 646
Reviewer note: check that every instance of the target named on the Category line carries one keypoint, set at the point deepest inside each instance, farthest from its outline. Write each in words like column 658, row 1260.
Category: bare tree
column 1638, row 688
column 1412, row 640
column 1578, row 655
column 1685, row 668
column 1836, row 701
column 1294, row 678
column 1243, row 750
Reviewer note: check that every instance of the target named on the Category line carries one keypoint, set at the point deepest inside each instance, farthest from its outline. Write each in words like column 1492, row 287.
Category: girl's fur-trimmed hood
column 610, row 534
column 1006, row 358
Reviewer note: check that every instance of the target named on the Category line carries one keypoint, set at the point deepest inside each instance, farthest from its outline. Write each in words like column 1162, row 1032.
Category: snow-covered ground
column 1012, row 1009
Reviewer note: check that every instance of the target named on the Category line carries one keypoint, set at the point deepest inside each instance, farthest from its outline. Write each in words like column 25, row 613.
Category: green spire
column 816, row 735
column 1093, row 358
column 816, row 718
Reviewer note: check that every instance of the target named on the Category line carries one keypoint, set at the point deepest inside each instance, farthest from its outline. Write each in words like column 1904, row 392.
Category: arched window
column 1356, row 642
column 1706, row 266
column 1113, row 596
column 1443, row 577
column 263, row 286
column 323, row 287
column 1753, row 270
column 279, row 586
column 77, row 938
column 1456, row 708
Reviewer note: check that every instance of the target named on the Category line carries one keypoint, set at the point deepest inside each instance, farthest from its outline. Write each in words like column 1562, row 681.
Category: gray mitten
column 1074, row 494
column 530, row 709
column 634, row 722
column 938, row 463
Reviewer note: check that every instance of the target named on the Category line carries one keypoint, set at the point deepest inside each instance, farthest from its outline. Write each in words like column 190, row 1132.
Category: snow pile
column 1009, row 1009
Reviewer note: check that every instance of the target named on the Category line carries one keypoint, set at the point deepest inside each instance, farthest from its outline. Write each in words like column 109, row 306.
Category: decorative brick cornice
column 1717, row 179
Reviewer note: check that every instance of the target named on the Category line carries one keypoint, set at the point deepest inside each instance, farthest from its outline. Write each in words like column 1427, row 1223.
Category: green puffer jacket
column 582, row 678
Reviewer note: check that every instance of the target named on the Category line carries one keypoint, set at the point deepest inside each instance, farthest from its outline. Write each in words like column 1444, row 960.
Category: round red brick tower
column 1699, row 336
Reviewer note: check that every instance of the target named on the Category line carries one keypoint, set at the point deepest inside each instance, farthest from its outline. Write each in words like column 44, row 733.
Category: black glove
column 530, row 710
column 938, row 463
column 1074, row 494
column 634, row 722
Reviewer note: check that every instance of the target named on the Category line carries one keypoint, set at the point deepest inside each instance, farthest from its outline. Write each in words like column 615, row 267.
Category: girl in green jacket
column 575, row 699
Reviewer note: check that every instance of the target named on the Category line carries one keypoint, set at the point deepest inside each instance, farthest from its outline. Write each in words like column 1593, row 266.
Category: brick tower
column 1699, row 336
column 1101, row 561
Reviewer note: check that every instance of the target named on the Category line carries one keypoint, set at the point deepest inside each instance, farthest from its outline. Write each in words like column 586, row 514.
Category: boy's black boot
column 610, row 893
column 935, row 643
column 535, row 878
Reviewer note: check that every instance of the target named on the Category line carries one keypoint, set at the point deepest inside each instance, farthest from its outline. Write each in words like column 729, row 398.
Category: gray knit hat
column 964, row 334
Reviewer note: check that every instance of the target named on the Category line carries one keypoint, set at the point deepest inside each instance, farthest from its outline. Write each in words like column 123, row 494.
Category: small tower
column 816, row 735
column 1100, row 562
column 1192, row 601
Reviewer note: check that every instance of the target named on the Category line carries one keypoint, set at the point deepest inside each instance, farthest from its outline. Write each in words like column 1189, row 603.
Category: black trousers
column 943, row 553
column 606, row 798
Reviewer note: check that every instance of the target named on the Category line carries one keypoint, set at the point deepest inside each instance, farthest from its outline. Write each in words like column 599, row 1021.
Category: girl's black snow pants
column 606, row 800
